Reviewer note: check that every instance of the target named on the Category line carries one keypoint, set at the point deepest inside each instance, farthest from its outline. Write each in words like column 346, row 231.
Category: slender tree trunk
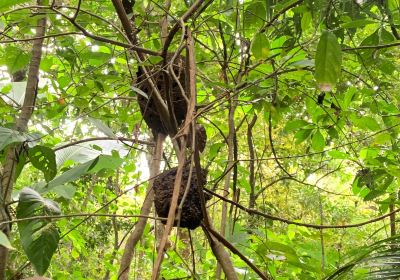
column 224, row 260
column 392, row 217
column 137, row 233
column 8, row 175
column 321, row 233
column 252, row 200
column 228, row 175
column 115, row 186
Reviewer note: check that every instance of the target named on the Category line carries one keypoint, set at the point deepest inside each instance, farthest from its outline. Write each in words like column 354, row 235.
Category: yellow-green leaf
column 260, row 46
column 328, row 61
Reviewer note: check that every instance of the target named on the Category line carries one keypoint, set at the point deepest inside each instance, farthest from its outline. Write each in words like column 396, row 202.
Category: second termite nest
column 191, row 215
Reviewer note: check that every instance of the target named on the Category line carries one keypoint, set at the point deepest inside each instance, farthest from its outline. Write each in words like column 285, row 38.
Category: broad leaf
column 72, row 174
column 85, row 152
column 338, row 155
column 16, row 59
column 260, row 46
column 66, row 191
column 318, row 141
column 39, row 238
column 295, row 124
column 106, row 162
column 5, row 4
column 328, row 61
column 102, row 127
column 4, row 241
column 302, row 135
column 357, row 23
column 366, row 123
column 44, row 159
column 16, row 95
column 8, row 136
column 99, row 163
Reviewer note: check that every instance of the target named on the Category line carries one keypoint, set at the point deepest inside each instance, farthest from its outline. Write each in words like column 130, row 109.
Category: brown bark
column 218, row 249
column 234, row 250
column 8, row 174
column 252, row 200
column 222, row 256
column 158, row 100
column 117, row 191
column 137, row 233
column 231, row 124
column 171, row 213
column 392, row 218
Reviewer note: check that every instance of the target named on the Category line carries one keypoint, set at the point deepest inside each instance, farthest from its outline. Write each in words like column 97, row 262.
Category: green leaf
column 5, row 4
column 302, row 135
column 260, row 46
column 72, row 174
column 394, row 8
column 338, row 155
column 44, row 159
column 328, row 61
column 8, row 136
column 106, row 162
column 103, row 127
column 66, row 191
column 366, row 123
column 39, row 238
column 357, row 23
column 4, row 241
column 95, row 165
column 15, row 59
column 295, row 124
column 287, row 250
column 255, row 14
column 318, row 141
column 306, row 20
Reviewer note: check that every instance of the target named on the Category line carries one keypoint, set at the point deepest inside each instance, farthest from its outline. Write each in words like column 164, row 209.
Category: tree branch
column 8, row 176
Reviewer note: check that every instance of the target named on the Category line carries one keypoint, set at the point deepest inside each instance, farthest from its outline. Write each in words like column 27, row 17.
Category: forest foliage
column 300, row 103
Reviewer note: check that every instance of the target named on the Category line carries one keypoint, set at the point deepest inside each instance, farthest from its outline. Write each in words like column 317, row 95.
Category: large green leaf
column 95, row 165
column 295, row 124
column 366, row 123
column 318, row 141
column 260, row 46
column 102, row 127
column 8, row 136
column 5, row 4
column 106, row 162
column 4, row 241
column 73, row 174
column 377, row 261
column 15, row 59
column 44, row 159
column 39, row 238
column 328, row 61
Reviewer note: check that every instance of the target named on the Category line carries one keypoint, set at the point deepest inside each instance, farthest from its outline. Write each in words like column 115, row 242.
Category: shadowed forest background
column 248, row 139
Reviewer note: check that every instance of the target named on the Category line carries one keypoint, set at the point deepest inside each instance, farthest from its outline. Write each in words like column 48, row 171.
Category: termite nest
column 191, row 214
column 171, row 87
column 164, row 82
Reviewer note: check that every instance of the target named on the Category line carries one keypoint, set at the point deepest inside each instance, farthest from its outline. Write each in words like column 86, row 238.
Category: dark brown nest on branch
column 201, row 138
column 191, row 215
column 147, row 105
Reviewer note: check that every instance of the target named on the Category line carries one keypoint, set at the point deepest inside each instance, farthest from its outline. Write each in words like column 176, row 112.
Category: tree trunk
column 137, row 233
column 252, row 200
column 228, row 175
column 8, row 174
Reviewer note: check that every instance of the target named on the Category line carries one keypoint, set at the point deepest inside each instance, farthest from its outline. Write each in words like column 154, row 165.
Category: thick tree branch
column 137, row 233
column 289, row 222
column 8, row 175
